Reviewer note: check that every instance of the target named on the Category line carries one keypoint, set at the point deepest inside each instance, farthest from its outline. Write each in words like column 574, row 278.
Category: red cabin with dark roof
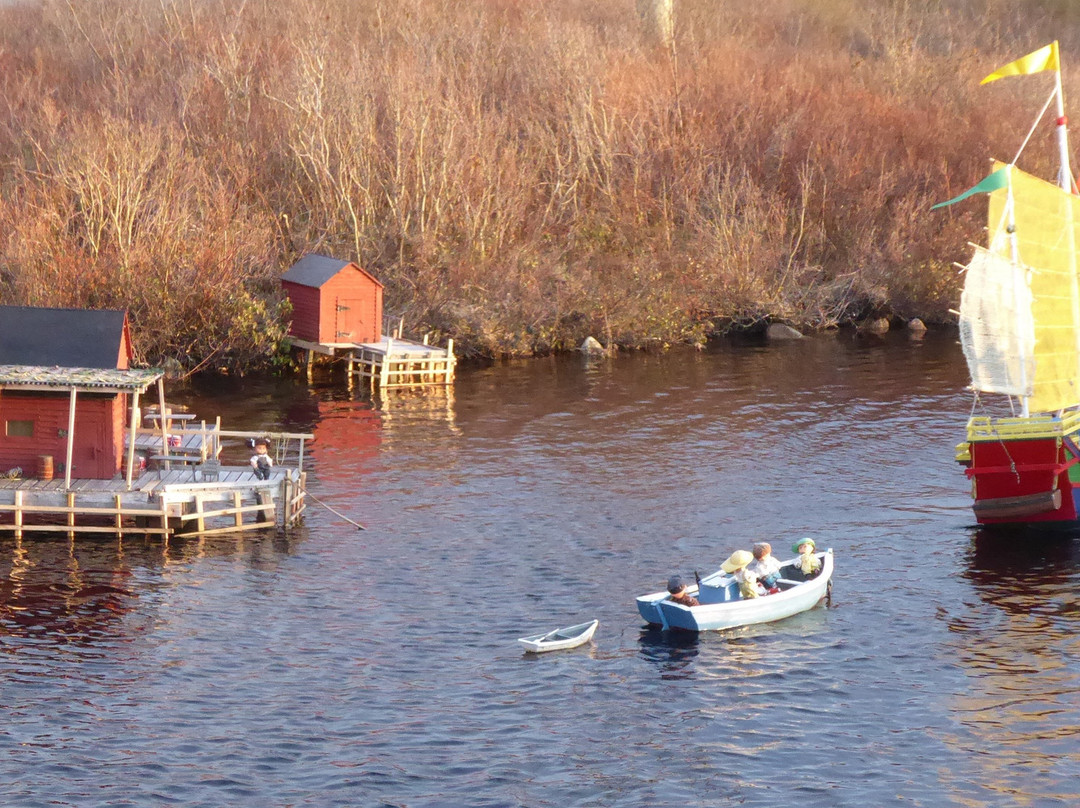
column 35, row 418
column 334, row 302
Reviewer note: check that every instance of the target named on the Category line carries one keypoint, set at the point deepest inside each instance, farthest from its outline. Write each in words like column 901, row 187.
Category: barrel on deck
column 45, row 467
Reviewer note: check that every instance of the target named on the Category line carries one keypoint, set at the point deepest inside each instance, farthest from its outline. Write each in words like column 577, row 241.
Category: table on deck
column 195, row 442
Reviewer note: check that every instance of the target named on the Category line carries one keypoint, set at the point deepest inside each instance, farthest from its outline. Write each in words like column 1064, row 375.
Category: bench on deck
column 173, row 416
column 174, row 458
column 163, row 461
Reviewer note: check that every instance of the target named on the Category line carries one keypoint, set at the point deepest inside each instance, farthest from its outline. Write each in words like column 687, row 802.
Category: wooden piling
column 71, row 514
column 18, row 514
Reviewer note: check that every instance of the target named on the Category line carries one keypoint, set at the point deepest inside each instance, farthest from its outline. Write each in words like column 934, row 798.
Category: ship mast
column 1064, row 172
column 1065, row 182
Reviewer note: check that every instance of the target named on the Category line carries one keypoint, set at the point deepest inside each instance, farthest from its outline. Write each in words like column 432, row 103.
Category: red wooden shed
column 334, row 302
column 64, row 387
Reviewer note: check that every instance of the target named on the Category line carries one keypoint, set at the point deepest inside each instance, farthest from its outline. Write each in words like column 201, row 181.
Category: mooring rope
column 336, row 513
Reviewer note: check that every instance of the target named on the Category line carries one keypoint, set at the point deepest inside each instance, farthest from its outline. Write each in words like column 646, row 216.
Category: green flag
column 999, row 179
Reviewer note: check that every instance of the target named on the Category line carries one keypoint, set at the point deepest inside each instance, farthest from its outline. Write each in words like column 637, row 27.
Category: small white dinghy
column 560, row 638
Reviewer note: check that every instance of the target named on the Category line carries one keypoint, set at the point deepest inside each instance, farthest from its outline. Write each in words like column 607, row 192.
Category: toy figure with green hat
column 808, row 563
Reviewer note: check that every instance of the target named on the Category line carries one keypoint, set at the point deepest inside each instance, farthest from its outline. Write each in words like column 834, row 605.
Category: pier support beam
column 70, row 439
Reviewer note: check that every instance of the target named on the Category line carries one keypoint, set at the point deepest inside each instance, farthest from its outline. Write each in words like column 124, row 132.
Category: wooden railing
column 983, row 428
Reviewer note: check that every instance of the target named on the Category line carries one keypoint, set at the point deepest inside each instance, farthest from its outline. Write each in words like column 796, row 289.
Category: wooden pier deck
column 391, row 362
column 160, row 502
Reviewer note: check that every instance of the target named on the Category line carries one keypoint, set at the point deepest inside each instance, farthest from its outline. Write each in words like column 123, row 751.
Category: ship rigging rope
column 1031, row 132
column 977, row 403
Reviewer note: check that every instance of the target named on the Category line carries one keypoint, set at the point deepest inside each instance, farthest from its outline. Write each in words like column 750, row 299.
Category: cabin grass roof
column 99, row 380
column 74, row 338
column 315, row 270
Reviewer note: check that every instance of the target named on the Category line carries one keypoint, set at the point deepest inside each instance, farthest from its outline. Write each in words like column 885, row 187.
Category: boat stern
column 1023, row 470
column 648, row 607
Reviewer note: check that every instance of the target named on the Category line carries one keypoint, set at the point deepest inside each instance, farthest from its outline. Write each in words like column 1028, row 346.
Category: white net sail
column 997, row 329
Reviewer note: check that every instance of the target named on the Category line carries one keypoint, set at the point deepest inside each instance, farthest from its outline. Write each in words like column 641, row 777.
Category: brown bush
column 519, row 174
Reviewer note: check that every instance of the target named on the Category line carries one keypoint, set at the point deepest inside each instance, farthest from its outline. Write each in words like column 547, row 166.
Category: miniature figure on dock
column 261, row 461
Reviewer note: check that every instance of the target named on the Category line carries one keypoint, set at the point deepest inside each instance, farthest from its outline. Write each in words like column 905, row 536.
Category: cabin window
column 20, row 429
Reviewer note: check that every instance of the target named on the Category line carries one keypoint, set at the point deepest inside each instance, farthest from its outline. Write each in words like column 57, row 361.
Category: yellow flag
column 1045, row 58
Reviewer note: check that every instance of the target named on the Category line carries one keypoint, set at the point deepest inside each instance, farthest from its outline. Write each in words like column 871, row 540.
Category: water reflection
column 348, row 434
column 62, row 592
column 400, row 407
column 1021, row 662
column 1003, row 565
column 673, row 652
column 85, row 591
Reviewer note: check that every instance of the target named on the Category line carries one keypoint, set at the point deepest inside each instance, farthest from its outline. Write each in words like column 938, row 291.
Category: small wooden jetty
column 391, row 362
column 78, row 455
column 174, row 480
column 178, row 501
column 338, row 312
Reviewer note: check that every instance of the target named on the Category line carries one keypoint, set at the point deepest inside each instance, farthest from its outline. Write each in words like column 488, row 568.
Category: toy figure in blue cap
column 676, row 587
column 808, row 563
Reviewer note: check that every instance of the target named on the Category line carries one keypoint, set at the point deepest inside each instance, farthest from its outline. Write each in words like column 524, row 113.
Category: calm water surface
column 334, row 667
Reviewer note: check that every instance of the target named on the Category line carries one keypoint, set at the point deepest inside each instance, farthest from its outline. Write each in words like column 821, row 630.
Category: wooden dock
column 162, row 503
column 186, row 490
column 392, row 362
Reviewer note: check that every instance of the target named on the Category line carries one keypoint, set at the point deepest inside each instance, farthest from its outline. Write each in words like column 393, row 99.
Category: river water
column 337, row 667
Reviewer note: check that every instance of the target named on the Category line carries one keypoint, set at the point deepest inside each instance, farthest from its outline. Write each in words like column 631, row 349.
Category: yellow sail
column 1046, row 244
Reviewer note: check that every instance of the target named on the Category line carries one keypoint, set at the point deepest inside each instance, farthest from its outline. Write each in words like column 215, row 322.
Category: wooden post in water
column 71, row 515
column 132, row 431
column 163, row 412
column 164, row 504
column 384, row 369
column 200, row 520
column 70, row 440
column 18, row 514
column 266, row 500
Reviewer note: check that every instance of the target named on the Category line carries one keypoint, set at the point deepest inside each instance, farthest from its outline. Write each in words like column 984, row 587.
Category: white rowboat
column 560, row 638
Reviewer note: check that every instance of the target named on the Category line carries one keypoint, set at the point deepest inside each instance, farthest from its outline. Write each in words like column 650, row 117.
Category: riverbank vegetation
column 518, row 174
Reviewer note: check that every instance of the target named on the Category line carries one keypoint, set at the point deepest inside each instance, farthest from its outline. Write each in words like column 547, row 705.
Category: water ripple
column 333, row 667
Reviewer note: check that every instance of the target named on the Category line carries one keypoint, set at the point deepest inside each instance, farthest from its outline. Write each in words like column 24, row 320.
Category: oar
column 337, row 513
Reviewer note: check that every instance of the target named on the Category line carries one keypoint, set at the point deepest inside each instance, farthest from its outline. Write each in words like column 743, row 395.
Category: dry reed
column 519, row 174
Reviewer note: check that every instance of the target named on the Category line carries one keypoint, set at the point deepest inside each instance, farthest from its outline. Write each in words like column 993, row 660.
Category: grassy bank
column 518, row 174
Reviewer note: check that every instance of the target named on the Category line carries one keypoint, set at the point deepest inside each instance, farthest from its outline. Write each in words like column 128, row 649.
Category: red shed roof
column 315, row 270
column 72, row 338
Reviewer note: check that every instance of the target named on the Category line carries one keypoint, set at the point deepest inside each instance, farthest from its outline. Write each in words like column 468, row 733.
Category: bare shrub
column 520, row 174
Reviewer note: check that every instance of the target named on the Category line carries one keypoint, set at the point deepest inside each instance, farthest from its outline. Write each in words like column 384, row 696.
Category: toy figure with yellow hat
column 736, row 565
